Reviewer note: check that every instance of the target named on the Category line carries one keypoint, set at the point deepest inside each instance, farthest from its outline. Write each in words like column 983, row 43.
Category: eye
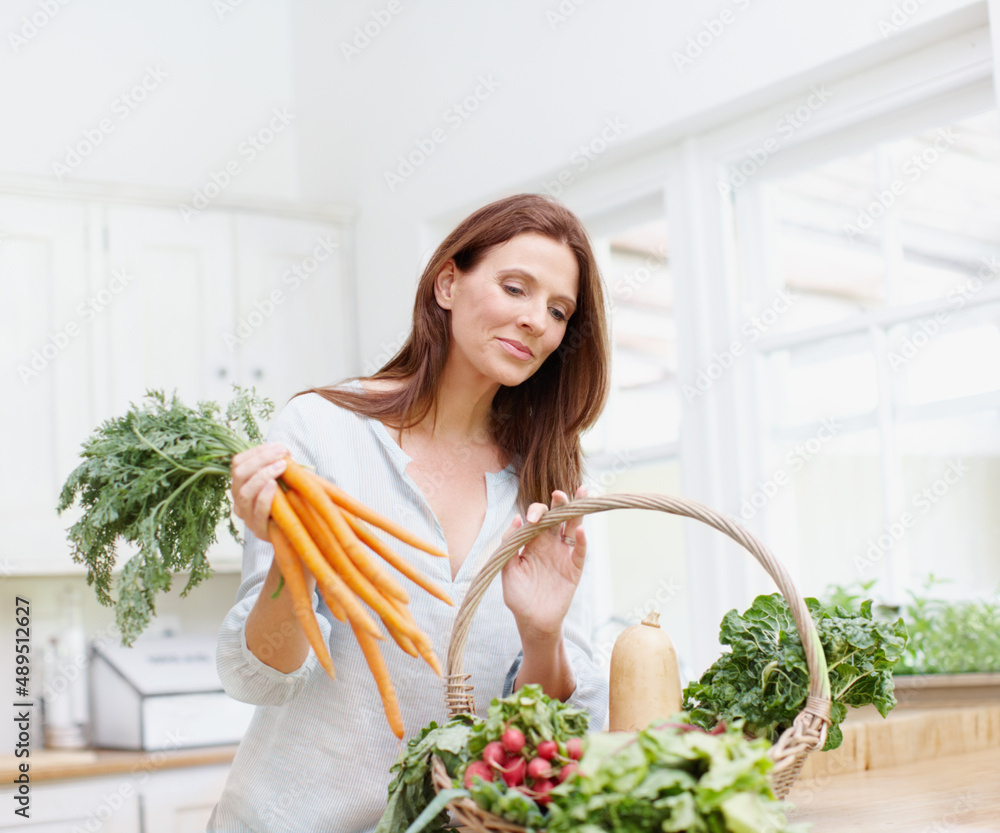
column 513, row 290
column 558, row 314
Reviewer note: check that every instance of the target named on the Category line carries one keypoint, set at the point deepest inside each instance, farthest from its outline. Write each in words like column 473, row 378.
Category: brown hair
column 536, row 424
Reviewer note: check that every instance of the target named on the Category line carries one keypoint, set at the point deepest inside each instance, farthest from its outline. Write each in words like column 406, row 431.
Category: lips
column 516, row 349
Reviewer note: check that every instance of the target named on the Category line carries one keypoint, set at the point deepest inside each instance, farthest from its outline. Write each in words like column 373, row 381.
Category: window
column 879, row 385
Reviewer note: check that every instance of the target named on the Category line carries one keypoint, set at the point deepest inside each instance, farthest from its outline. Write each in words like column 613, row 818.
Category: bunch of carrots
column 316, row 526
column 159, row 478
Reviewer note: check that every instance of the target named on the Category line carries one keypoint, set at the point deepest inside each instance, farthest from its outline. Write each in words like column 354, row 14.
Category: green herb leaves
column 764, row 679
column 158, row 478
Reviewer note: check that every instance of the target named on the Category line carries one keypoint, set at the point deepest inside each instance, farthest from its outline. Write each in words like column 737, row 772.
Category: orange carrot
column 369, row 647
column 295, row 580
column 401, row 564
column 295, row 476
column 329, row 583
column 356, row 507
column 353, row 578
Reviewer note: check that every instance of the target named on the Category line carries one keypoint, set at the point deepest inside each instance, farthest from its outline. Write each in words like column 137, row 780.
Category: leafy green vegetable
column 945, row 637
column 950, row 637
column 670, row 777
column 411, row 791
column 157, row 477
column 764, row 679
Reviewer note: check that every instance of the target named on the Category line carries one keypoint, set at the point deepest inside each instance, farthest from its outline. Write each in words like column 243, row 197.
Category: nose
column 532, row 319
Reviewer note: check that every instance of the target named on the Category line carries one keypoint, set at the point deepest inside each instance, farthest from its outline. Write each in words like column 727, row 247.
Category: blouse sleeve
column 591, row 692
column 244, row 676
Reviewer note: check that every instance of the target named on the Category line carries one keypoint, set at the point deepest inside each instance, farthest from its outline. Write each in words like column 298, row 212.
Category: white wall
column 217, row 80
column 559, row 80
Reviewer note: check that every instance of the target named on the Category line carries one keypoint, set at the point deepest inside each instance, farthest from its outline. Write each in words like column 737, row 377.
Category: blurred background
column 796, row 207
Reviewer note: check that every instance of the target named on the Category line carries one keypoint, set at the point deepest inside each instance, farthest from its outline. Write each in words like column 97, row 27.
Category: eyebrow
column 525, row 274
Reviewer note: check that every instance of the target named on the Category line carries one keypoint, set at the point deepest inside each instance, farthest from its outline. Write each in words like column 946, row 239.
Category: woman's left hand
column 539, row 582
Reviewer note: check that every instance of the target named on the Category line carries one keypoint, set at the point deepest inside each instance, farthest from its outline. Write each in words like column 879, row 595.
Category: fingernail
column 533, row 516
column 278, row 465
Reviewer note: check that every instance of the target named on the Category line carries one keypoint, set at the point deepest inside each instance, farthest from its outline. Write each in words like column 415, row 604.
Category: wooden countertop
column 949, row 793
column 53, row 764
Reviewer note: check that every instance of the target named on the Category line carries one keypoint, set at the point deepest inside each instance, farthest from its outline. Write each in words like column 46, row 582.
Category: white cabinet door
column 47, row 329
column 294, row 325
column 109, row 804
column 165, row 329
column 182, row 800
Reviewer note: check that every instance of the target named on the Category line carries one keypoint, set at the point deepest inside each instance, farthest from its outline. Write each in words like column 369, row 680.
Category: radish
column 541, row 791
column 493, row 754
column 513, row 773
column 477, row 768
column 574, row 748
column 513, row 740
column 566, row 772
column 547, row 749
column 539, row 768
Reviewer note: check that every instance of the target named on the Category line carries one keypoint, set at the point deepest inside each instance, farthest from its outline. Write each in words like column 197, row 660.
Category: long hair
column 537, row 424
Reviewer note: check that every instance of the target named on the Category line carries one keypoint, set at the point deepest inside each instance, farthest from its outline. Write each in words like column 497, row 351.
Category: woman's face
column 509, row 313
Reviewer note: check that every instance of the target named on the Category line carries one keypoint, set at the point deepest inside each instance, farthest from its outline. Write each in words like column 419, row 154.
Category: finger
column 559, row 498
column 580, row 550
column 245, row 464
column 535, row 511
column 262, row 508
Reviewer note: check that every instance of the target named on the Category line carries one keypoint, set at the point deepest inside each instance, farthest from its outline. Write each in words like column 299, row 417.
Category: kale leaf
column 764, row 681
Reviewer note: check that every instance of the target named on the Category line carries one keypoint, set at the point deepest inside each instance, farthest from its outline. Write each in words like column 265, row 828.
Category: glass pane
column 945, row 356
column 822, row 494
column 905, row 221
column 835, row 377
column 644, row 408
column 951, row 472
column 949, row 205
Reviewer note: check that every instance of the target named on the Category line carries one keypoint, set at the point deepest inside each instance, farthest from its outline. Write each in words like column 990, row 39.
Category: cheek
column 554, row 337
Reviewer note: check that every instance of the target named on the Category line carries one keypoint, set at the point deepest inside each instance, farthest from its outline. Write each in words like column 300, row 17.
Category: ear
column 444, row 284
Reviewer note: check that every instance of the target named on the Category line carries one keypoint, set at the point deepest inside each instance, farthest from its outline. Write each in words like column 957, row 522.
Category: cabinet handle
column 221, row 372
column 258, row 373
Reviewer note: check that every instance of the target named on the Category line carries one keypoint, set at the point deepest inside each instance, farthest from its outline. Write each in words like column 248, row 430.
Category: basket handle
column 459, row 692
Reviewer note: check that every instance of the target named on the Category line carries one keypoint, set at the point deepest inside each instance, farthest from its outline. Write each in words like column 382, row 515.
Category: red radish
column 539, row 768
column 574, row 748
column 566, row 772
column 513, row 740
column 480, row 768
column 513, row 774
column 547, row 749
column 719, row 728
column 493, row 754
column 541, row 791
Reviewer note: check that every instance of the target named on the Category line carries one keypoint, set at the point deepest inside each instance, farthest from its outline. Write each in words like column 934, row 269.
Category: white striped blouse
column 317, row 754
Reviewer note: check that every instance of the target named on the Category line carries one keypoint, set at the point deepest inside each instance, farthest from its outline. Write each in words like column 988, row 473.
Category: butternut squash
column 645, row 682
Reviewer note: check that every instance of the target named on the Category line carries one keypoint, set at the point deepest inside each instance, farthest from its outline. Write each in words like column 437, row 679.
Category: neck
column 462, row 406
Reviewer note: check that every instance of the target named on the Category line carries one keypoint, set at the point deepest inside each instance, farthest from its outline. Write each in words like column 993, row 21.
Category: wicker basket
column 808, row 731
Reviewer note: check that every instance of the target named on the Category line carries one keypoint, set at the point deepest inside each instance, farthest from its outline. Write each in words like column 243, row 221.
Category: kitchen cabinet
column 105, row 298
column 141, row 801
column 181, row 801
column 109, row 804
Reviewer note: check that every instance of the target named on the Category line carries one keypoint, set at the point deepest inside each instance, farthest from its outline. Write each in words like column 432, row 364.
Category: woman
column 473, row 425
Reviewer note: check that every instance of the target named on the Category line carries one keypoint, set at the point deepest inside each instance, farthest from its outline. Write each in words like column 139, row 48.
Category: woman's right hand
column 254, row 483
